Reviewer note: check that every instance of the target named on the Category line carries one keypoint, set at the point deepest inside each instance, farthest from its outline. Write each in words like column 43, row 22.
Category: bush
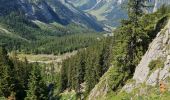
column 154, row 64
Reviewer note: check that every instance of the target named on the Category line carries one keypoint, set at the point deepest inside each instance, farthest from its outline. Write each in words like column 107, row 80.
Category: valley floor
column 46, row 58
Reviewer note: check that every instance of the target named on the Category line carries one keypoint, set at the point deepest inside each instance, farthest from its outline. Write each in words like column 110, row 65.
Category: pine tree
column 92, row 69
column 7, row 80
column 106, row 55
column 65, row 75
column 37, row 89
column 22, row 70
column 135, row 11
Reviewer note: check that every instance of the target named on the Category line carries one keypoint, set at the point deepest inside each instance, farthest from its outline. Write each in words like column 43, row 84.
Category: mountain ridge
column 52, row 10
column 110, row 12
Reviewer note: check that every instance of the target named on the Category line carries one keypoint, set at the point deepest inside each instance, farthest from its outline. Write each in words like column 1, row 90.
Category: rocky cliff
column 153, row 69
column 158, row 49
column 155, row 64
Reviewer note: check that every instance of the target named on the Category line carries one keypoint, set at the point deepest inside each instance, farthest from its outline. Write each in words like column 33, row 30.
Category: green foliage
column 164, row 9
column 26, row 36
column 7, row 80
column 125, row 57
column 53, row 79
column 14, row 76
column 88, row 65
column 154, row 64
column 37, row 89
column 123, row 52
column 141, row 93
column 68, row 96
column 127, row 47
column 129, row 43
column 60, row 45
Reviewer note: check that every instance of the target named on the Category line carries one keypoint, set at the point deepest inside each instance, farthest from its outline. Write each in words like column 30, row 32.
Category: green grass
column 155, row 64
column 143, row 92
column 2, row 98
column 68, row 95
column 44, row 58
column 35, row 57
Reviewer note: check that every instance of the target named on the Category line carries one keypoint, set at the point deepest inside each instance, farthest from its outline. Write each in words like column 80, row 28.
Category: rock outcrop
column 100, row 90
column 159, row 48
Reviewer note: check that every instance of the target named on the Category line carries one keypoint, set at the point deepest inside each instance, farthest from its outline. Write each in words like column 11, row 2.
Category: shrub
column 154, row 64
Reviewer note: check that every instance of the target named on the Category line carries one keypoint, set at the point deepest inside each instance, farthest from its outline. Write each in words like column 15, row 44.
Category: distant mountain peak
column 110, row 12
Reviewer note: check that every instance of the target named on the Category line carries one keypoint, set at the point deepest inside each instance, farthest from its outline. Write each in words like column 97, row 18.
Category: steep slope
column 152, row 69
column 83, row 4
column 110, row 12
column 159, row 51
column 17, row 32
column 152, row 76
column 49, row 11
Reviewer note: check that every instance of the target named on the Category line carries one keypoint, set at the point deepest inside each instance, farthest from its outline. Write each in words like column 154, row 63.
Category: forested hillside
column 101, row 66
column 129, row 43
column 128, row 51
column 86, row 67
column 21, row 34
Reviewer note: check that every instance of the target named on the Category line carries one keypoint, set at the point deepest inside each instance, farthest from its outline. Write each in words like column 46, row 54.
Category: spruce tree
column 7, row 80
column 65, row 75
column 135, row 11
column 37, row 89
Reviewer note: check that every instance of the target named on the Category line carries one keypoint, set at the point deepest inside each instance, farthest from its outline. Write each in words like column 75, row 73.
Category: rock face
column 100, row 90
column 159, row 48
column 110, row 12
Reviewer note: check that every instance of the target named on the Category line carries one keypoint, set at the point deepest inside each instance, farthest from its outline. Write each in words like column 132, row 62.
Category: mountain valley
column 84, row 50
column 111, row 12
